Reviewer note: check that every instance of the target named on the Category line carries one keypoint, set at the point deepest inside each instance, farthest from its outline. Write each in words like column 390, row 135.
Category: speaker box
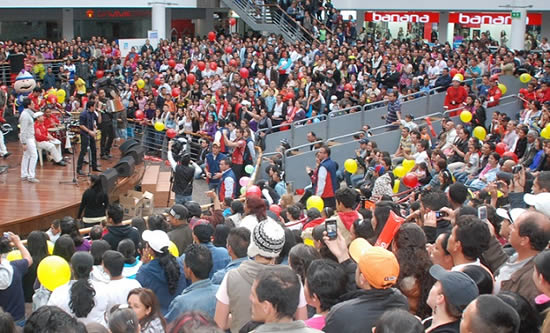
column 137, row 152
column 127, row 145
column 108, row 179
column 125, row 167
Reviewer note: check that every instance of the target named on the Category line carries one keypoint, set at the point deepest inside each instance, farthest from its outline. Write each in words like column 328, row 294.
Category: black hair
column 280, row 286
column 542, row 264
column 237, row 207
column 466, row 210
column 458, row 192
column 203, row 232
column 290, row 241
column 300, row 257
column 481, row 277
column 473, row 234
column 529, row 317
column 194, row 322
column 381, row 213
column 363, row 228
column 294, row 211
column 115, row 212
column 69, row 227
column 543, row 179
column 96, row 232
column 398, row 321
column 48, row 318
column 346, row 197
column 170, row 267
column 312, row 214
column 414, row 261
column 128, row 249
column 199, row 260
column 122, row 320
column 227, row 161
column 158, row 222
column 494, row 315
column 220, row 235
column 37, row 244
column 434, row 200
column 82, row 293
column 239, row 240
column 138, row 222
column 328, row 280
column 538, row 235
column 26, row 102
column 64, row 247
column 6, row 322
column 113, row 262
column 98, row 190
column 98, row 249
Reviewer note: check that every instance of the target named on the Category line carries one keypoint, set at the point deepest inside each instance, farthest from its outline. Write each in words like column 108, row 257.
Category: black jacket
column 116, row 233
column 183, row 180
column 360, row 313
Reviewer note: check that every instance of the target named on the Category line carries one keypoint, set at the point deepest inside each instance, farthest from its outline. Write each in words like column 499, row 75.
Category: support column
column 360, row 22
column 67, row 24
column 168, row 23
column 545, row 28
column 206, row 24
column 517, row 38
column 443, row 28
column 158, row 18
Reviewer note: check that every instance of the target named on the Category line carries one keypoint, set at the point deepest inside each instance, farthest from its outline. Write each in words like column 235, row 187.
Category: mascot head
column 24, row 83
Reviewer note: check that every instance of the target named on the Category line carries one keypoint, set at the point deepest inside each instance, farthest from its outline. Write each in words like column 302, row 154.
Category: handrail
column 345, row 136
column 305, row 120
column 360, row 107
column 284, row 13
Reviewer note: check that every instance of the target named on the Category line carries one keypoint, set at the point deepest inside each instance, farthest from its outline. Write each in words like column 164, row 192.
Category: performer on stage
column 26, row 135
column 88, row 120
column 3, row 102
column 106, row 125
column 45, row 141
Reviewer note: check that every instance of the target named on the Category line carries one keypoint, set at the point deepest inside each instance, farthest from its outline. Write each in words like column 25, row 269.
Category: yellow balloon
column 502, row 88
column 14, row 255
column 545, row 133
column 50, row 247
column 399, row 171
column 53, row 271
column 140, row 83
column 466, row 116
column 315, row 202
column 396, row 184
column 173, row 249
column 480, row 133
column 159, row 126
column 61, row 99
column 525, row 77
column 350, row 165
column 408, row 165
column 309, row 242
column 61, row 93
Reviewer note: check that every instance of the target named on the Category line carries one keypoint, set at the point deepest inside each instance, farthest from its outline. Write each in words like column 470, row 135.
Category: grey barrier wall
column 512, row 83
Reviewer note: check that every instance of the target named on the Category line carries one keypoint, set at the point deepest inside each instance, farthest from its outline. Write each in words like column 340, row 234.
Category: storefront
column 402, row 25
column 496, row 26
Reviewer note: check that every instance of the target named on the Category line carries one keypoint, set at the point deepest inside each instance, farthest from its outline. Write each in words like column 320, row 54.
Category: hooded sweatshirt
column 12, row 299
column 116, row 233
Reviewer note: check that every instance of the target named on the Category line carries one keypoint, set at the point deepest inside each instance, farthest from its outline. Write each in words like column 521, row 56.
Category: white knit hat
column 267, row 240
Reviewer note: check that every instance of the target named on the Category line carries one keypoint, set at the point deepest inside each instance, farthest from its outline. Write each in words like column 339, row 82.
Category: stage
column 25, row 206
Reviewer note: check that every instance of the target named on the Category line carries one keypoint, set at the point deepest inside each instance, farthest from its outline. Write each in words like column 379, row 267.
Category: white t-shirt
column 421, row 157
column 250, row 221
column 119, row 289
column 62, row 295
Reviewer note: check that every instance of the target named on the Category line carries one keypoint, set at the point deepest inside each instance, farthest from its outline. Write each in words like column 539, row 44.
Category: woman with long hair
column 414, row 281
column 160, row 271
column 131, row 263
column 85, row 299
column 94, row 203
column 122, row 319
column 69, row 227
column 37, row 244
column 64, row 247
column 146, row 306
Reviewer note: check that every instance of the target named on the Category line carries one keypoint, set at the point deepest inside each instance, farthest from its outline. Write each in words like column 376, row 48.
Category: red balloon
column 453, row 72
column 172, row 63
column 157, row 81
column 139, row 115
column 155, row 92
column 512, row 155
column 501, row 148
column 243, row 72
column 233, row 63
column 99, row 74
column 228, row 49
column 300, row 191
column 253, row 191
column 289, row 95
column 232, row 21
column 212, row 36
column 52, row 99
column 213, row 66
column 201, row 65
column 191, row 78
column 300, row 75
column 275, row 209
column 84, row 101
column 4, row 88
column 348, row 87
column 171, row 133
column 410, row 179
column 176, row 92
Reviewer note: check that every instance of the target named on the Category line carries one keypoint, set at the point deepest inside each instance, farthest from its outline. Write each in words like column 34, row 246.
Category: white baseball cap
column 510, row 215
column 540, row 201
column 157, row 239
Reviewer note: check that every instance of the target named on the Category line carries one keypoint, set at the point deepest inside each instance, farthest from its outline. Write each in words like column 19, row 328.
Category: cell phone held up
column 482, row 213
column 331, row 228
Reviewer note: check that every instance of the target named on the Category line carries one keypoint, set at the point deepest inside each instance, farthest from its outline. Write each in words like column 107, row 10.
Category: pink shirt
column 317, row 322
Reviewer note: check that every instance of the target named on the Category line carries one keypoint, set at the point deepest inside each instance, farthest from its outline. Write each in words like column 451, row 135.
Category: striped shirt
column 393, row 108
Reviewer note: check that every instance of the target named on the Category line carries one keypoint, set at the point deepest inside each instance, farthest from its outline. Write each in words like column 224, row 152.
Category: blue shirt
column 220, row 258
column 152, row 276
column 200, row 296
column 12, row 299
column 217, row 278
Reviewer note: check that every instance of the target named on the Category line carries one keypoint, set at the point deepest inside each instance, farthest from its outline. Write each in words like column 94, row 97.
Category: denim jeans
column 182, row 199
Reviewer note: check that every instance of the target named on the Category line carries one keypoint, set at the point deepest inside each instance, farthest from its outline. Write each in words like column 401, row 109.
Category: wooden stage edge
column 24, row 226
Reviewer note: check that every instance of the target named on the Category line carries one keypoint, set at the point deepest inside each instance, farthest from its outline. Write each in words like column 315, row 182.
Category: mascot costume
column 24, row 85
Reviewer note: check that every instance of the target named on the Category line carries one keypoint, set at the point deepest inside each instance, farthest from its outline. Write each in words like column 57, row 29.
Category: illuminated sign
column 412, row 17
column 491, row 18
column 101, row 14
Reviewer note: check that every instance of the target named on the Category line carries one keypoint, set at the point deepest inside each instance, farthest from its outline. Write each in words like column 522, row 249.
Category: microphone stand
column 75, row 180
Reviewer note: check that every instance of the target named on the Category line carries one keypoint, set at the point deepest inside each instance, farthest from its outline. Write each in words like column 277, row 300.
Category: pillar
column 206, row 24
column 158, row 18
column 360, row 22
column 443, row 28
column 67, row 24
column 519, row 21
column 545, row 28
column 168, row 23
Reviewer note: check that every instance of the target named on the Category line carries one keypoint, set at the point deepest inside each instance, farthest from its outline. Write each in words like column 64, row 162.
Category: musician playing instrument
column 45, row 141
column 3, row 102
column 88, row 119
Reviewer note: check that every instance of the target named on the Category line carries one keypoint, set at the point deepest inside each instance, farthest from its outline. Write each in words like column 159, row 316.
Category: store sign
column 407, row 17
column 476, row 19
column 117, row 13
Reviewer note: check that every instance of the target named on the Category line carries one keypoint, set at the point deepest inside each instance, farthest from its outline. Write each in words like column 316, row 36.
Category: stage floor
column 22, row 202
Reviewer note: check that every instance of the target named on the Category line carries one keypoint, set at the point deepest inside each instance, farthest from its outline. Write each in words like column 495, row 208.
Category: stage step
column 150, row 178
column 162, row 190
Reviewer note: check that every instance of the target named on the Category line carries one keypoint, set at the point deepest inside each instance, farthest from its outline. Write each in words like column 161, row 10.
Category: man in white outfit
column 26, row 136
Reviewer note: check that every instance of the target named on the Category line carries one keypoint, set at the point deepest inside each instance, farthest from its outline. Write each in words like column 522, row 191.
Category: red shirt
column 455, row 97
column 51, row 121
column 40, row 132
column 237, row 157
column 495, row 93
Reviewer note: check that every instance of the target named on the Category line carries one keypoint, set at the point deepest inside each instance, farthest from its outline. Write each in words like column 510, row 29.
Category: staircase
column 270, row 18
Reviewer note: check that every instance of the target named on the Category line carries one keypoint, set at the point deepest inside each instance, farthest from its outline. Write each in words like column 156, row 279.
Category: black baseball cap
column 179, row 212
column 459, row 289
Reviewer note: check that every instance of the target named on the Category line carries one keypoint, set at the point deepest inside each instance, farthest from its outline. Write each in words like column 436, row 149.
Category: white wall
column 437, row 5
column 92, row 4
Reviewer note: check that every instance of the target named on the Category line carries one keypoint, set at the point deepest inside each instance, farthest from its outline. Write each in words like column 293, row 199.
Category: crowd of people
column 469, row 253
